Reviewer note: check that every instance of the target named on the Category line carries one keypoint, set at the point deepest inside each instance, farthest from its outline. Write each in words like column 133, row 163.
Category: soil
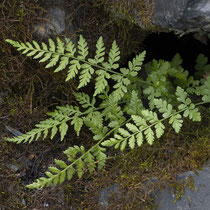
column 28, row 91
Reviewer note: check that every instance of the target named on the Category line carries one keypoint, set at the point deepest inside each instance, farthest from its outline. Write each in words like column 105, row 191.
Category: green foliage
column 202, row 67
column 77, row 165
column 115, row 115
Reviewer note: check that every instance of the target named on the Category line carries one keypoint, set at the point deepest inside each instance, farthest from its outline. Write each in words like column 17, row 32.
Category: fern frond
column 202, row 66
column 67, row 113
column 141, row 128
column 131, row 127
column 41, row 129
column 54, row 54
column 100, row 52
column 149, row 134
column 84, row 100
column 52, row 45
column 176, row 61
column 150, row 91
column 64, row 61
column 57, row 54
column 95, row 122
column 168, row 111
column 64, row 112
column 136, row 63
column 77, row 122
column 206, row 90
column 108, row 122
column 135, row 133
column 89, row 161
column 83, row 49
column 70, row 47
column 100, row 155
column 85, row 75
column 63, row 55
column 62, row 171
column 163, row 107
column 60, row 46
column 176, row 121
column 73, row 69
column 134, row 105
column 101, row 81
column 57, row 123
column 120, row 87
column 139, row 121
column 152, row 118
column 112, row 112
column 53, row 61
column 159, row 128
column 114, row 56
column 182, row 95
column 63, row 128
column 187, row 104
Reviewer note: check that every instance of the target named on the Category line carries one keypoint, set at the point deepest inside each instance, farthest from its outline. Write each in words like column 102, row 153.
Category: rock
column 192, row 199
column 56, row 21
column 13, row 167
column 56, row 17
column 107, row 192
column 13, row 131
column 23, row 202
column 182, row 15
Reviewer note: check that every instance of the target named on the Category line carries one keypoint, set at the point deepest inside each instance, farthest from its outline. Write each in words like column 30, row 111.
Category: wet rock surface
column 192, row 199
column 182, row 15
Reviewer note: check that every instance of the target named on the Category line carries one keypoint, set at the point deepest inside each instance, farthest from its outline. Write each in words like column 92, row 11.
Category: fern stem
column 201, row 103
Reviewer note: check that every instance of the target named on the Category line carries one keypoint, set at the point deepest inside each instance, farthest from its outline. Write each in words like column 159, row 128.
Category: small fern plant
column 114, row 113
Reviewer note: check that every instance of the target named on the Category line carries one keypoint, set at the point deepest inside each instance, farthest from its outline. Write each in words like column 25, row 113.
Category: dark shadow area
column 165, row 45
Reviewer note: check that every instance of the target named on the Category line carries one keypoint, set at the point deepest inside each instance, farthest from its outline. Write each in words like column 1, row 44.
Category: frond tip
column 87, row 160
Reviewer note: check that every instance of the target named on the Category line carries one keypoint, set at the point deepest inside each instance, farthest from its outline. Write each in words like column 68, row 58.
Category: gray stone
column 13, row 167
column 192, row 199
column 165, row 200
column 55, row 21
column 182, row 15
column 13, row 131
column 54, row 24
column 107, row 192
column 23, row 202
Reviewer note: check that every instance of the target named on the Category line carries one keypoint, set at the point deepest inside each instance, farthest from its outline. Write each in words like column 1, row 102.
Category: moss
column 178, row 188
column 135, row 12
